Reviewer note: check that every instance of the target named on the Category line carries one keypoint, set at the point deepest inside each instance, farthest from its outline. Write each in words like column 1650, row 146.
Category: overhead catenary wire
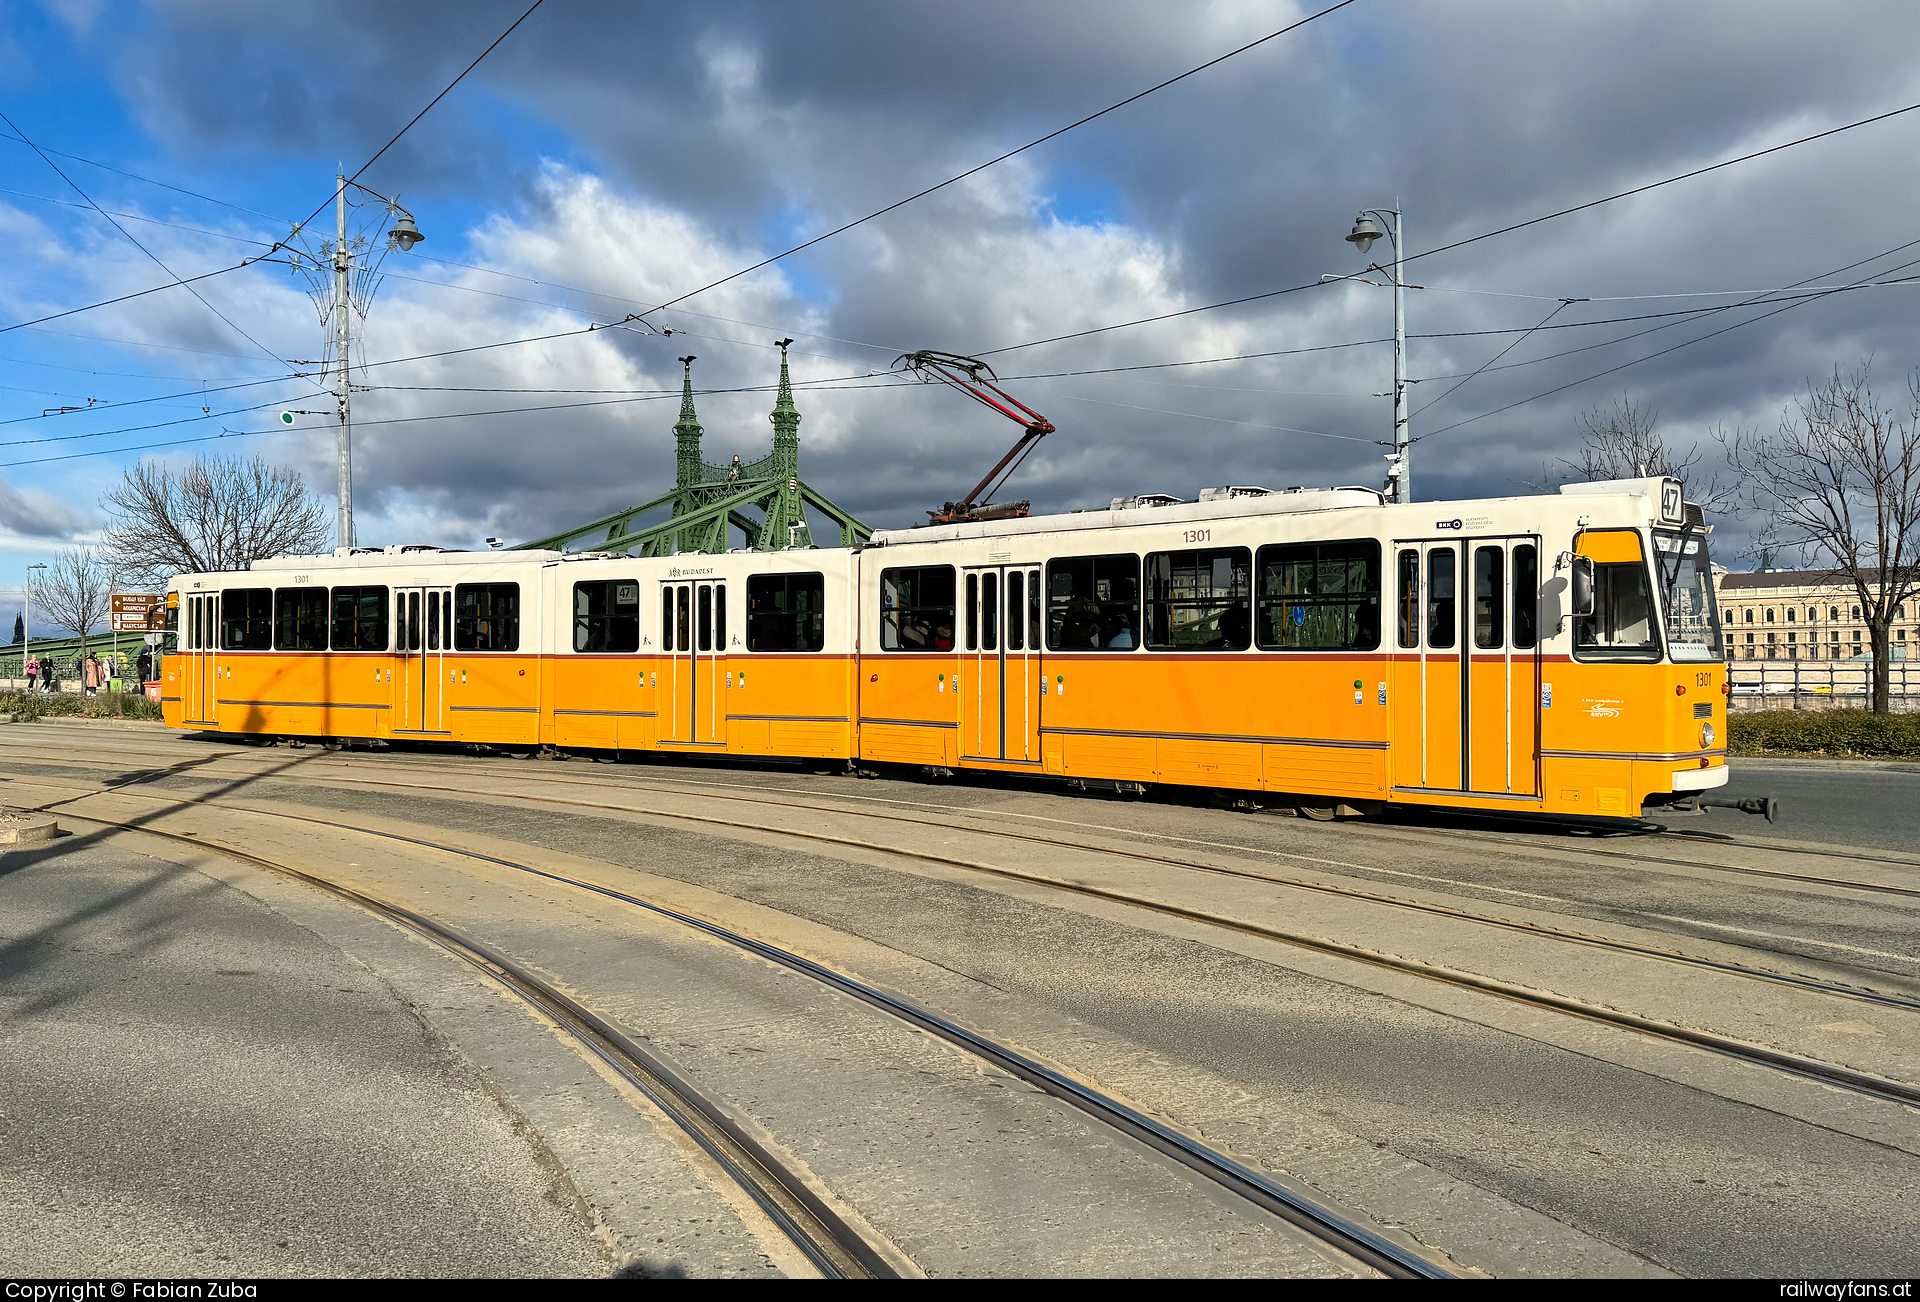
column 1685, row 343
column 1504, row 230
column 1011, row 153
column 132, row 239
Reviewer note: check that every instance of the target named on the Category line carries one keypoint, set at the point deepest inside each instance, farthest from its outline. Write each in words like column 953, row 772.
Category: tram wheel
column 1318, row 813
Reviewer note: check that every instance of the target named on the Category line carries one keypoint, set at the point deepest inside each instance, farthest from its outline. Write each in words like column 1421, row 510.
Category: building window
column 1749, row 641
column 1769, row 614
column 1856, row 635
column 1790, row 611
column 1833, row 612
column 1770, row 636
column 1748, row 614
column 1856, row 612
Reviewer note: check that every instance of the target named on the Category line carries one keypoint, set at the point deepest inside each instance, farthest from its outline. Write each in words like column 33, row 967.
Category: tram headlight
column 1706, row 735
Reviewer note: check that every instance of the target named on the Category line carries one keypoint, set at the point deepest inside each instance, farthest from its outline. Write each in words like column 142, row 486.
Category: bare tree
column 76, row 592
column 220, row 514
column 1841, row 483
column 1623, row 442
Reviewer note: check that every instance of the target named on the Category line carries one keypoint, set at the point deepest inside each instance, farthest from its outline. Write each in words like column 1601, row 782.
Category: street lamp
column 404, row 235
column 1364, row 233
column 26, row 622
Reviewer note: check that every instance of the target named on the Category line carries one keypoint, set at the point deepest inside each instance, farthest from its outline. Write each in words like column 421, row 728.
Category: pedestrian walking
column 46, row 675
column 90, row 674
column 32, row 671
column 145, row 664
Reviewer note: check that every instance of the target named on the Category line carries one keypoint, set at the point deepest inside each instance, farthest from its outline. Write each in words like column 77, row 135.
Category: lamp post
column 26, row 622
column 1364, row 233
column 404, row 235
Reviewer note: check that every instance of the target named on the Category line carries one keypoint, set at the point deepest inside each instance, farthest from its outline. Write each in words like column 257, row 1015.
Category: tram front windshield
column 1686, row 593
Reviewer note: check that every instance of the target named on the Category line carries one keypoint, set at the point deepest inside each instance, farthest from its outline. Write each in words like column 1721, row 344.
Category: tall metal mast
column 343, row 392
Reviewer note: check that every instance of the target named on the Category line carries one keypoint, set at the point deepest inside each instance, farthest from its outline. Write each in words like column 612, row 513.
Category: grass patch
column 27, row 707
column 1840, row 733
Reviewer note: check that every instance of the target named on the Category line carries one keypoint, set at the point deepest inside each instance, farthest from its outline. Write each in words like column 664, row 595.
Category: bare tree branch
column 220, row 514
column 1840, row 482
column 1623, row 443
column 76, row 592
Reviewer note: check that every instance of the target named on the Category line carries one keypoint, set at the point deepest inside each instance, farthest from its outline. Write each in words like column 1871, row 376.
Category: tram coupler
column 1766, row 806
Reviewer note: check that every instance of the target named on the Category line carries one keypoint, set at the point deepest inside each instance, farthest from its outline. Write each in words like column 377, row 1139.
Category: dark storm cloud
column 767, row 122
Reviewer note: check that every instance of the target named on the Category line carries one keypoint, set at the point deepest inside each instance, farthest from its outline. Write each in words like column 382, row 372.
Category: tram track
column 833, row 1245
column 722, row 791
column 731, row 792
column 826, row 1239
column 1844, row 1078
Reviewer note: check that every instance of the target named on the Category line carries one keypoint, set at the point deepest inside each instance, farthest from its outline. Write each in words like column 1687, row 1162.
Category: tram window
column 1622, row 624
column 407, row 616
column 666, row 619
column 1319, row 596
column 1033, row 609
column 720, row 616
column 1200, row 600
column 1093, row 603
column 360, row 619
column 917, row 608
column 786, row 612
column 606, row 615
column 1440, row 598
column 486, row 617
column 246, row 622
column 990, row 612
column 1526, row 596
column 683, row 619
column 1016, row 609
column 1488, row 598
column 433, row 621
column 1409, row 598
column 704, row 604
column 973, row 612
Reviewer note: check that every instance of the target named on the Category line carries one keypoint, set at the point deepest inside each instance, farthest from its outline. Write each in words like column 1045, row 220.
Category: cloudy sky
column 611, row 156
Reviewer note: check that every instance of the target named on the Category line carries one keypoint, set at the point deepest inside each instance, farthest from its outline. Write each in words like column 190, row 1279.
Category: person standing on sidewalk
column 32, row 670
column 90, row 673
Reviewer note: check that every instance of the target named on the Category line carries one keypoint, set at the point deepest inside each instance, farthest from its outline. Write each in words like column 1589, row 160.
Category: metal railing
column 1798, row 685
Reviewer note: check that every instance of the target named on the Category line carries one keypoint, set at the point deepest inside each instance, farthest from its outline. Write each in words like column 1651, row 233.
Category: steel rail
column 1825, row 1073
column 1813, row 984
column 1363, row 1244
column 825, row 1238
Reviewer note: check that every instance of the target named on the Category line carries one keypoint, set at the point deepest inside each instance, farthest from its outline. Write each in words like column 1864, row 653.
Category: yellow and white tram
column 1556, row 654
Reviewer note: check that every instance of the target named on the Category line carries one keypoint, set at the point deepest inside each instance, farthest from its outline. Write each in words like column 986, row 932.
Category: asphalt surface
column 1515, row 1151
column 1682, row 1179
column 196, row 1086
column 1869, row 807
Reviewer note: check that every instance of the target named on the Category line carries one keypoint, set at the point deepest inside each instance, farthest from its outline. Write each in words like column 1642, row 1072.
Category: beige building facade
column 1802, row 615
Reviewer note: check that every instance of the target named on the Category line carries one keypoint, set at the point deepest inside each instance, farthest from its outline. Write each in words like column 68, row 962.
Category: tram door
column 423, row 631
column 693, row 674
column 199, row 671
column 1466, row 669
column 1000, row 671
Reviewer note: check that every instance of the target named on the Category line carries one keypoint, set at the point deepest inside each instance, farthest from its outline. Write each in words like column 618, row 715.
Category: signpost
column 130, row 611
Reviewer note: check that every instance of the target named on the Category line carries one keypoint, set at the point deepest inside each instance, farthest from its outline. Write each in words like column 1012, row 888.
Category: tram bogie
column 1556, row 654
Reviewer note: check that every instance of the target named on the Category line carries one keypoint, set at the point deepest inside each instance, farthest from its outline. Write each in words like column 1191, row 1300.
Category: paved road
column 195, row 1085
column 1878, row 808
